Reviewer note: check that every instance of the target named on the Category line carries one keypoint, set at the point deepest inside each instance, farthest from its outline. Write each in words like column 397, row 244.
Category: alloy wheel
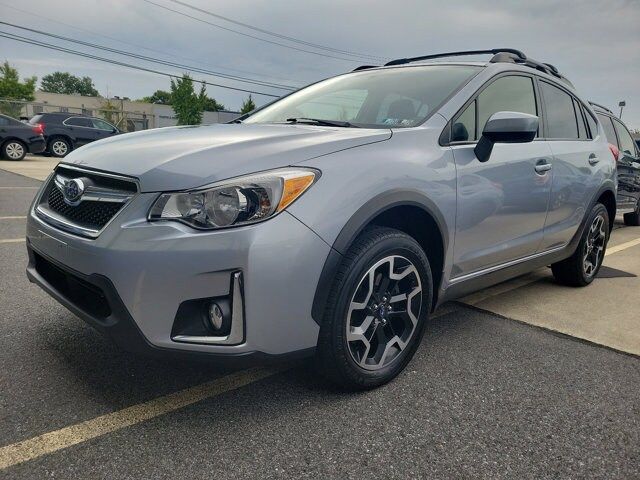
column 14, row 150
column 59, row 148
column 384, row 312
column 594, row 247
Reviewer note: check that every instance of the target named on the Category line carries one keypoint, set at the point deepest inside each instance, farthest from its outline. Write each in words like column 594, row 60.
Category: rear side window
column 582, row 128
column 626, row 142
column 511, row 94
column 78, row 122
column 593, row 125
column 609, row 132
column 560, row 115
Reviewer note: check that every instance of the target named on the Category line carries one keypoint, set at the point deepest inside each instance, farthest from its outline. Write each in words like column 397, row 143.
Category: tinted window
column 559, row 113
column 582, row 128
column 626, row 142
column 78, row 122
column 593, row 125
column 395, row 97
column 102, row 125
column 510, row 94
column 609, row 132
column 464, row 128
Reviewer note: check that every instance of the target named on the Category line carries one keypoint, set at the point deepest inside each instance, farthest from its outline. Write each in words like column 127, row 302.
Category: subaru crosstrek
column 333, row 221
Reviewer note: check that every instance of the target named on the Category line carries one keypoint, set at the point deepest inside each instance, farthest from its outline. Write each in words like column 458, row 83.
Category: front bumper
column 147, row 269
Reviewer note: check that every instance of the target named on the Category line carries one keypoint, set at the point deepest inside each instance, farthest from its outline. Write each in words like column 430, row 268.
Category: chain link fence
column 126, row 121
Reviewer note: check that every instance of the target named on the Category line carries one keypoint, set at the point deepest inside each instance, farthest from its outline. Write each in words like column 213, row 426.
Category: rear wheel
column 59, row 147
column 632, row 219
column 376, row 310
column 582, row 267
column 14, row 150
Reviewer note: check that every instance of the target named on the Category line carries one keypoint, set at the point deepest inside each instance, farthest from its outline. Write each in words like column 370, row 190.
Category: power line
column 275, row 34
column 20, row 38
column 247, row 34
column 151, row 59
column 96, row 34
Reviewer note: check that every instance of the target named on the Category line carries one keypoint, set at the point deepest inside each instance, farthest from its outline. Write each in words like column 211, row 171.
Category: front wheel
column 376, row 310
column 582, row 267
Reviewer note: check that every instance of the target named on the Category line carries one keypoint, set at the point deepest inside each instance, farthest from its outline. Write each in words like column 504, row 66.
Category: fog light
column 215, row 316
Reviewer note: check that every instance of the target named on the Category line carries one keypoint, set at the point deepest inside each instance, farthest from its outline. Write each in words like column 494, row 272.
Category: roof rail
column 500, row 55
column 601, row 106
column 466, row 53
column 363, row 67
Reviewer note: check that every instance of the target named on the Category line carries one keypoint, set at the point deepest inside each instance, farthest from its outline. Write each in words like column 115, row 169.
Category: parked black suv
column 627, row 155
column 65, row 131
column 18, row 139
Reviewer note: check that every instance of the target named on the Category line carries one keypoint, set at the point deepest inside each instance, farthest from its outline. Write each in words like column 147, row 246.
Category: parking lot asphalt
column 485, row 397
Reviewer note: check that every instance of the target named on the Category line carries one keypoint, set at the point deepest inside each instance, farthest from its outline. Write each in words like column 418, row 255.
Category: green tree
column 248, row 105
column 210, row 105
column 161, row 97
column 11, row 88
column 64, row 82
column 186, row 103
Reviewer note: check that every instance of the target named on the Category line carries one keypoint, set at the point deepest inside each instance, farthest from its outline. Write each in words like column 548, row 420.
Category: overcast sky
column 595, row 44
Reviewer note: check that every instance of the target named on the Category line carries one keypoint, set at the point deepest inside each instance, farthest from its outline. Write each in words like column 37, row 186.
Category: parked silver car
column 333, row 221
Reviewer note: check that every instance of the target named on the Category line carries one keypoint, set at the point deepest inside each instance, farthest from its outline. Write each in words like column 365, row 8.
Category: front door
column 502, row 203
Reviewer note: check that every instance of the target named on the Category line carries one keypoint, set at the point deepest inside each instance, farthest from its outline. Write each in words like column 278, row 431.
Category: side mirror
column 506, row 127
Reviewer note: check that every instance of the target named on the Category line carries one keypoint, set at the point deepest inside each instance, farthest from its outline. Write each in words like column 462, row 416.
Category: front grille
column 92, row 215
column 85, row 295
column 104, row 196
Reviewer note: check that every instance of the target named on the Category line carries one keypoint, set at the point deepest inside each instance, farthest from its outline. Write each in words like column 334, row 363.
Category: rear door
column 577, row 163
column 628, row 167
column 502, row 203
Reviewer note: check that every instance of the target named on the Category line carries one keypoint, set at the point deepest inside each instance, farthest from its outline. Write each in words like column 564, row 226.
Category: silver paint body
column 155, row 266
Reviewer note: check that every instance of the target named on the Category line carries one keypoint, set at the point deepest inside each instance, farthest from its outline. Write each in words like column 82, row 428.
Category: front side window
column 506, row 94
column 560, row 115
column 102, row 125
column 386, row 98
column 627, row 144
column 609, row 132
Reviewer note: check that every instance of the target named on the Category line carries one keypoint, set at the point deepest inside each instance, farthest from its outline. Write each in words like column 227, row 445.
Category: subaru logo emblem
column 73, row 190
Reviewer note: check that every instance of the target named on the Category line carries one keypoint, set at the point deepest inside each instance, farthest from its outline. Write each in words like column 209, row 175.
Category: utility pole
column 622, row 104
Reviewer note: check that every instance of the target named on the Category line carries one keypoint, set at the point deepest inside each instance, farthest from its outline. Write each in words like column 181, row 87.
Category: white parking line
column 14, row 217
column 68, row 436
column 622, row 246
column 12, row 240
column 19, row 188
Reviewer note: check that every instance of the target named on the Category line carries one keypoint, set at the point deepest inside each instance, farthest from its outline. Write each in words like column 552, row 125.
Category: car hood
column 177, row 158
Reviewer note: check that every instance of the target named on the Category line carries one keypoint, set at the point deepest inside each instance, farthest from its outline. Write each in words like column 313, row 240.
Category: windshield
column 395, row 97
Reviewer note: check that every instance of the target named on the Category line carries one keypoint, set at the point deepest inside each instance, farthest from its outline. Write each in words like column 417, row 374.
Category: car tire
column 381, row 267
column 14, row 150
column 59, row 147
column 581, row 268
column 632, row 219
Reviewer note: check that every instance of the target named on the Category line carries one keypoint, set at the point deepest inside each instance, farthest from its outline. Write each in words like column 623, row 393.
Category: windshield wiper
column 318, row 121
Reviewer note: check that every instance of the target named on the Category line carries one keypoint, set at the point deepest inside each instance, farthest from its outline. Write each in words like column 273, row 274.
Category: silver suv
column 334, row 220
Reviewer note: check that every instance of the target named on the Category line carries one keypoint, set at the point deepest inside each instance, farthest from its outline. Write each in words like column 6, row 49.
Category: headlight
column 238, row 201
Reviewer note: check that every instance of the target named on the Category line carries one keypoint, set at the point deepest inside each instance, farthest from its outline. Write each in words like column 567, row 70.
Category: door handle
column 542, row 166
column 593, row 159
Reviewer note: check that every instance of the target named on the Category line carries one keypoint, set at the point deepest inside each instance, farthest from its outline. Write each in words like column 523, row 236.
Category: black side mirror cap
column 506, row 127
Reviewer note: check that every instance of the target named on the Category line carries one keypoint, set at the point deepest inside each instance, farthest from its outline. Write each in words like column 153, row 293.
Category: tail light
column 615, row 152
column 38, row 128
